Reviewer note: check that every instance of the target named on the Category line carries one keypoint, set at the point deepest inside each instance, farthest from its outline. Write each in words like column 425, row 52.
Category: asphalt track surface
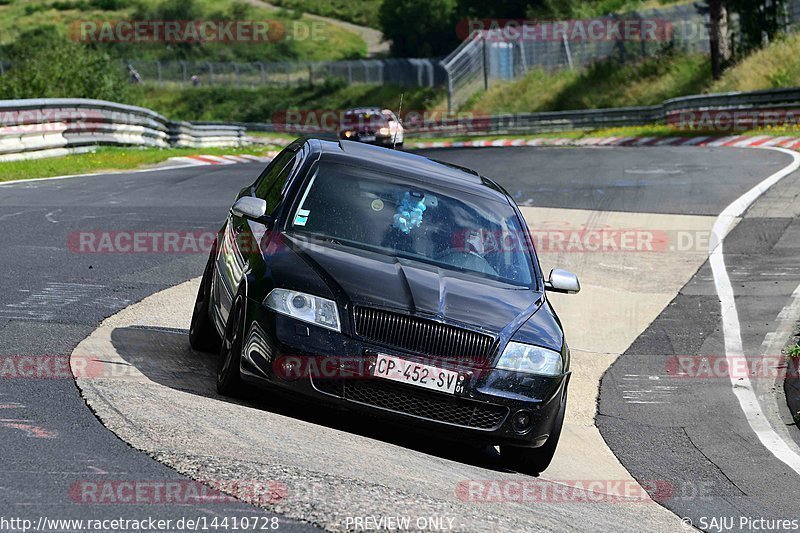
column 53, row 297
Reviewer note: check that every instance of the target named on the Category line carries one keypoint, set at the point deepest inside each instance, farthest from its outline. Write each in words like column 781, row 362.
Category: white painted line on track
column 90, row 174
column 734, row 349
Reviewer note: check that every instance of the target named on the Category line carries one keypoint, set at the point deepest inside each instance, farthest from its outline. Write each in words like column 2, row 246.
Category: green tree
column 759, row 21
column 46, row 64
column 420, row 28
column 502, row 9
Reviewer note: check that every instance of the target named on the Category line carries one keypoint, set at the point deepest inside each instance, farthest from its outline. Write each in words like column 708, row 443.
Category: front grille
column 424, row 404
column 422, row 336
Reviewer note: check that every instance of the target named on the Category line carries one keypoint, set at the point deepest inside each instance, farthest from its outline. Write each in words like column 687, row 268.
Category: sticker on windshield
column 301, row 217
column 377, row 204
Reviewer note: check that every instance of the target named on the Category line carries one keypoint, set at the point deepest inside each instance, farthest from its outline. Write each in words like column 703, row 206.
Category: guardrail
column 726, row 112
column 36, row 128
column 49, row 127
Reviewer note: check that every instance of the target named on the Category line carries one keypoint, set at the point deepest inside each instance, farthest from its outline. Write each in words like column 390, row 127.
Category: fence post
column 522, row 60
column 158, row 68
column 567, row 50
column 263, row 74
column 210, row 73
column 184, row 68
column 485, row 65
column 449, row 89
column 349, row 73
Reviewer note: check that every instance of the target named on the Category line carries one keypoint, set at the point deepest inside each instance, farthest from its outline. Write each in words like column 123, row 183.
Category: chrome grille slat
column 422, row 336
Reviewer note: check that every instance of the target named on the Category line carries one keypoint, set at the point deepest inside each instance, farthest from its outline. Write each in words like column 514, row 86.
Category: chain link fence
column 406, row 72
column 489, row 56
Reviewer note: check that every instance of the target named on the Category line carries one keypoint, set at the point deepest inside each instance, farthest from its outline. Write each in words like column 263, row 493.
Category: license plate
column 417, row 374
column 367, row 138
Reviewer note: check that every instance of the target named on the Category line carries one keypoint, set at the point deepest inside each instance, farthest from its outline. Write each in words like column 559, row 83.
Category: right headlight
column 305, row 307
column 531, row 359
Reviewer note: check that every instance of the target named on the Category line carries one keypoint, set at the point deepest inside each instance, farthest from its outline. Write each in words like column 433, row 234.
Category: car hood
column 371, row 279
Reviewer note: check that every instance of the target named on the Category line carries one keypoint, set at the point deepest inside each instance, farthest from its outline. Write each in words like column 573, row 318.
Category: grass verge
column 261, row 104
column 292, row 31
column 107, row 159
column 657, row 130
column 602, row 85
column 363, row 12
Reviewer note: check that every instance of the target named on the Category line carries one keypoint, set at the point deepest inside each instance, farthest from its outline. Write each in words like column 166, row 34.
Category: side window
column 273, row 177
column 273, row 195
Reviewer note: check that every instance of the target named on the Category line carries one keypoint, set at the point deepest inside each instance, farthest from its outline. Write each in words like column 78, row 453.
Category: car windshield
column 363, row 118
column 391, row 215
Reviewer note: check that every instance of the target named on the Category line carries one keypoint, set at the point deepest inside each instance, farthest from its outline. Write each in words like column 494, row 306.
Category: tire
column 203, row 335
column 534, row 461
column 229, row 380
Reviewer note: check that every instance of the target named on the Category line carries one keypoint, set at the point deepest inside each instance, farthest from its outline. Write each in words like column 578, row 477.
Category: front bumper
column 335, row 369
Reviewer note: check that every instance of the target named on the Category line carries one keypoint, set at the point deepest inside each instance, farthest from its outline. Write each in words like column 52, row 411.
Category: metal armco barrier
column 36, row 128
column 725, row 112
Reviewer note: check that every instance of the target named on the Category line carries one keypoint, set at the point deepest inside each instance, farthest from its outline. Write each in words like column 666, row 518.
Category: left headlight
column 531, row 359
column 305, row 307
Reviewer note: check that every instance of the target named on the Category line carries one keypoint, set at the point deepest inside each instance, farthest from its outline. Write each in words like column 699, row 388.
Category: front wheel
column 229, row 380
column 534, row 461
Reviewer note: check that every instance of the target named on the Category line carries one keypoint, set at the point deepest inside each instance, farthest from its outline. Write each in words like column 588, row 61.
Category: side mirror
column 562, row 281
column 250, row 207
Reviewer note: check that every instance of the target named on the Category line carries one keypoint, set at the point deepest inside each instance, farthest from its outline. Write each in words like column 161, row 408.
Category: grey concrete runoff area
column 148, row 410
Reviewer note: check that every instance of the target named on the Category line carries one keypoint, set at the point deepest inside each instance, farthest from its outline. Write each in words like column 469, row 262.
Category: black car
column 393, row 285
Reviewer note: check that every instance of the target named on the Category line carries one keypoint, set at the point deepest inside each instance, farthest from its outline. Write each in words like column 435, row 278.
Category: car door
column 240, row 237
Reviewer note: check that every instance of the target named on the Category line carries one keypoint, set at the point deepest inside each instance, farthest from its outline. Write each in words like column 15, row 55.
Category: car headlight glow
column 531, row 359
column 305, row 307
column 384, row 131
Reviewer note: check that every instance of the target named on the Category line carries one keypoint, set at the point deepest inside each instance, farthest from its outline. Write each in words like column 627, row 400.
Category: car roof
column 414, row 166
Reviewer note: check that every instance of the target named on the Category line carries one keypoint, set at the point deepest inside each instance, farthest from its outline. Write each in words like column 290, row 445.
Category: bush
column 261, row 104
column 46, row 64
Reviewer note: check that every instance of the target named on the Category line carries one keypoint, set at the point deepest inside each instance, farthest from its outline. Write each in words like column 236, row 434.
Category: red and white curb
column 197, row 160
column 738, row 141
